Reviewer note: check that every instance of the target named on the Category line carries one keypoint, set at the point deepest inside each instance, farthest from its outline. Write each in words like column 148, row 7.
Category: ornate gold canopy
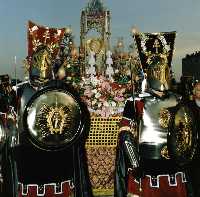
column 94, row 17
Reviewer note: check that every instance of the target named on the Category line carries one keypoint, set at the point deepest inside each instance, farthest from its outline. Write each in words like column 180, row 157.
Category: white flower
column 97, row 95
column 94, row 81
column 106, row 104
column 120, row 109
column 94, row 91
column 94, row 102
column 99, row 104
column 116, row 71
column 113, row 104
column 59, row 32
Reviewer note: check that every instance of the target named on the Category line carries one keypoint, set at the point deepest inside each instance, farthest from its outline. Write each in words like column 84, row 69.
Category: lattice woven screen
column 103, row 131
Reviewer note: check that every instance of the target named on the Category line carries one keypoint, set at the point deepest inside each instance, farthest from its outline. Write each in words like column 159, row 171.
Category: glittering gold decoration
column 95, row 18
column 95, row 45
column 160, row 70
column 53, row 119
column 164, row 117
column 42, row 61
column 183, row 123
column 156, row 55
column 165, row 153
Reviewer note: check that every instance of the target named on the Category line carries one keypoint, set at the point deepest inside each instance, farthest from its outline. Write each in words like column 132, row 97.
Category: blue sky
column 147, row 15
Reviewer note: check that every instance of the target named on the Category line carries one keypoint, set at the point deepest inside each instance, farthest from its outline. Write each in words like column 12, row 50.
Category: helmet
column 155, row 52
column 41, row 65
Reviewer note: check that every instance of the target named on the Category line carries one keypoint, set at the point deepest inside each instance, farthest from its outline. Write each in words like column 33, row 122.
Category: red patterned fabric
column 163, row 190
column 38, row 35
column 49, row 191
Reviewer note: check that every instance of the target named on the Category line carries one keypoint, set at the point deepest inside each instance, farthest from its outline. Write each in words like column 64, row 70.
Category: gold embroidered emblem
column 53, row 119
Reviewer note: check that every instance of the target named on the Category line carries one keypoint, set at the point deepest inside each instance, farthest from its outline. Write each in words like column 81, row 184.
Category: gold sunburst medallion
column 53, row 119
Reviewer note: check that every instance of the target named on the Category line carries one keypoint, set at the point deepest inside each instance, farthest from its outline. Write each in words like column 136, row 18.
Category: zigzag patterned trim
column 172, row 179
column 58, row 188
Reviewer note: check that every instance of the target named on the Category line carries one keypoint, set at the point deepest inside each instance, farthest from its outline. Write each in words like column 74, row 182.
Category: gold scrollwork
column 184, row 134
column 164, row 152
column 164, row 118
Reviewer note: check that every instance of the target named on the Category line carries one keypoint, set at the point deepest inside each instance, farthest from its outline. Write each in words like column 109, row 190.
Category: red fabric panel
column 139, row 106
column 164, row 190
column 44, row 35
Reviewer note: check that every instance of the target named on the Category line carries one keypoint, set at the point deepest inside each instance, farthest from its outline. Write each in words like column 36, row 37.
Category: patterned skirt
column 158, row 186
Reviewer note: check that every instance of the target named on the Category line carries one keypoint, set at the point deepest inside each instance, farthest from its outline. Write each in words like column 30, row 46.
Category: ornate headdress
column 43, row 47
column 155, row 52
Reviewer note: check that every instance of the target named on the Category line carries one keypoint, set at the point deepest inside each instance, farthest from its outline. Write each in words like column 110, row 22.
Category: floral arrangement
column 103, row 97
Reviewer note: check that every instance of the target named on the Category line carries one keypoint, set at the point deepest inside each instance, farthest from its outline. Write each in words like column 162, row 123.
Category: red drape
column 38, row 34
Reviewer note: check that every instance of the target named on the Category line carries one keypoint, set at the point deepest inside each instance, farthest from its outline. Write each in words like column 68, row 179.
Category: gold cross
column 156, row 45
column 46, row 36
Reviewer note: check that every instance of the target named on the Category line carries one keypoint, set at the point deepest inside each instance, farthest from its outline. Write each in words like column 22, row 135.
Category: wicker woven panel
column 103, row 131
column 101, row 148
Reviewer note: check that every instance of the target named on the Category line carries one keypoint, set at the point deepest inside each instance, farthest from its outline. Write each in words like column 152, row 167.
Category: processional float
column 61, row 120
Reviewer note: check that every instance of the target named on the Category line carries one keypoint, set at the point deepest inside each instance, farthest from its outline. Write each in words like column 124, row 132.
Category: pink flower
column 102, row 99
column 105, row 86
column 105, row 111
column 119, row 95
column 88, row 92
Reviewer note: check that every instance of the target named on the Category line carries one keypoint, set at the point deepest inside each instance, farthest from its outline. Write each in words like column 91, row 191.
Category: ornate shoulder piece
column 182, row 135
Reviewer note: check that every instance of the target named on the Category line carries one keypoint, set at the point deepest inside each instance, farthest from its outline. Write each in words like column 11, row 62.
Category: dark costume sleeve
column 126, row 153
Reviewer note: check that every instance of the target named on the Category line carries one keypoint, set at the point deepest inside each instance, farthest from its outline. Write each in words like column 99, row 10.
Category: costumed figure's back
column 7, row 117
column 153, row 146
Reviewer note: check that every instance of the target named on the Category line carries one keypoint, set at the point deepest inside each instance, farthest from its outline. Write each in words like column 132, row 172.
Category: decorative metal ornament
column 41, row 66
column 95, row 17
column 53, row 118
column 95, row 45
column 164, row 118
column 156, row 51
column 165, row 152
column 182, row 137
column 183, row 124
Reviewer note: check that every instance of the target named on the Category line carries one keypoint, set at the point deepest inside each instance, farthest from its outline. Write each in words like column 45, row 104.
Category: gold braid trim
column 124, row 128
